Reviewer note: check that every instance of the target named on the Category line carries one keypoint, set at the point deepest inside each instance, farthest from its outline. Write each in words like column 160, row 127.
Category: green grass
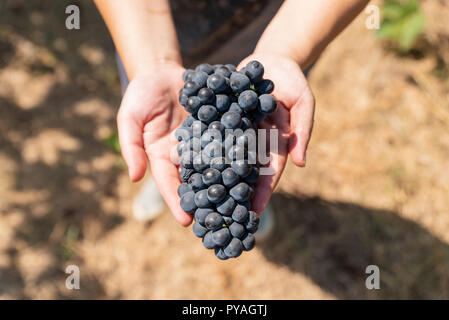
column 112, row 142
column 402, row 23
column 68, row 249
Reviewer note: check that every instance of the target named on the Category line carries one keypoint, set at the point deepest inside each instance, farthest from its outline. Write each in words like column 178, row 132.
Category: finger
column 131, row 145
column 262, row 193
column 268, row 179
column 270, row 174
column 301, row 122
column 165, row 174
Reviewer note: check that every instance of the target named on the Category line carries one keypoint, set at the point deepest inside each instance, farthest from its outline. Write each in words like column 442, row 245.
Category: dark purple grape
column 234, row 248
column 183, row 96
column 254, row 70
column 265, row 87
column 230, row 67
column 246, row 123
column 218, row 163
column 226, row 207
column 216, row 193
column 219, row 252
column 206, row 95
column 187, row 75
column 185, row 174
column 241, row 192
column 221, row 237
column 248, row 242
column 191, row 88
column 240, row 214
column 211, row 135
column 239, row 82
column 237, row 152
column 205, row 67
column 224, row 71
column 186, row 160
column 253, row 222
column 188, row 121
column 201, row 199
column 196, row 182
column 237, row 230
column 198, row 128
column 207, row 241
column 241, row 167
column 236, row 108
column 207, row 113
column 218, row 126
column 222, row 103
column 201, row 162
column 248, row 100
column 228, row 220
column 188, row 202
column 213, row 221
column 201, row 214
column 211, row 176
column 253, row 176
column 230, row 177
column 199, row 230
column 231, row 120
column 217, row 83
column 267, row 104
column 183, row 188
column 183, row 133
column 193, row 104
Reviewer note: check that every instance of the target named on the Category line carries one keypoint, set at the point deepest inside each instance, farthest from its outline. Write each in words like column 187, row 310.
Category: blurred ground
column 375, row 190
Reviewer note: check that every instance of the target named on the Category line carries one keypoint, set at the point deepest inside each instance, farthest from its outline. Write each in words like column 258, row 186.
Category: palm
column 148, row 115
column 293, row 119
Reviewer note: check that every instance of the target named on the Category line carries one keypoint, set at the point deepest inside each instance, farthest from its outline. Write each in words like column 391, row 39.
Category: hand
column 148, row 115
column 293, row 118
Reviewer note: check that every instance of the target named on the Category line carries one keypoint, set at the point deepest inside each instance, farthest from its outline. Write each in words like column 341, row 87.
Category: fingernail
column 303, row 164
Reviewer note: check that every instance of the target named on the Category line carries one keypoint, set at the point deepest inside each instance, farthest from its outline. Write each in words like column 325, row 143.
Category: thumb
column 131, row 144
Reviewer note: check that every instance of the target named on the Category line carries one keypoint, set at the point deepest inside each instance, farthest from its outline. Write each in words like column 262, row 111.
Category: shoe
column 148, row 204
column 266, row 223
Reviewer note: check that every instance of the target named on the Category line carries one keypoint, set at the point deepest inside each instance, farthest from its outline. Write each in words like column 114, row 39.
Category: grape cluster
column 217, row 149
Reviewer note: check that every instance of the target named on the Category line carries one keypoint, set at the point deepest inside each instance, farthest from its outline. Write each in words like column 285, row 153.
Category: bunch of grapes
column 217, row 149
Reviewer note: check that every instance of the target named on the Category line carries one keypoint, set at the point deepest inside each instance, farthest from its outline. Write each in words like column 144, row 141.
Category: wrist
column 155, row 65
column 299, row 52
column 300, row 60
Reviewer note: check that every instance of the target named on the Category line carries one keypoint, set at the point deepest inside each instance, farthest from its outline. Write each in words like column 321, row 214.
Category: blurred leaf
column 68, row 248
column 72, row 234
column 112, row 142
column 402, row 23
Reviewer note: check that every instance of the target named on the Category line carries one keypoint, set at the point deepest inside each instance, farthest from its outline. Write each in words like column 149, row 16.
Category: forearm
column 143, row 32
column 302, row 29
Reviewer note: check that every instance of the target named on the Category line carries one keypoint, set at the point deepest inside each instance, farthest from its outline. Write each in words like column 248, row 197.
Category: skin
column 150, row 112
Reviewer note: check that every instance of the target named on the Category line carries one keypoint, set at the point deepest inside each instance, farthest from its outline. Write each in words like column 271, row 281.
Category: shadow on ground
column 56, row 210
column 333, row 242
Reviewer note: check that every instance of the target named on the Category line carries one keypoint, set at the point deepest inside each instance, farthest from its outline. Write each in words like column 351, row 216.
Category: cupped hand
column 150, row 112
column 293, row 119
column 148, row 115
